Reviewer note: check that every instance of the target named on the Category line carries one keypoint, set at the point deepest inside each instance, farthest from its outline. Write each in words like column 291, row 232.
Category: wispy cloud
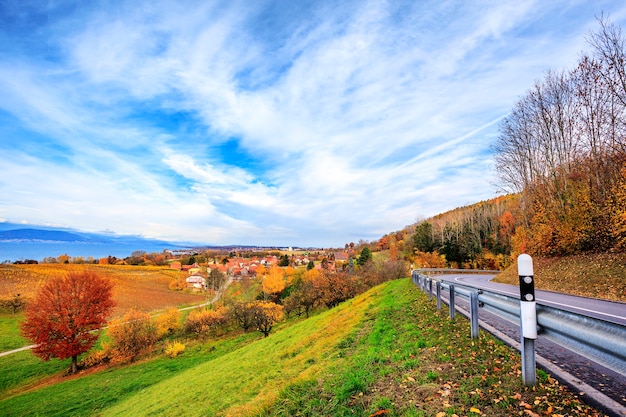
column 305, row 123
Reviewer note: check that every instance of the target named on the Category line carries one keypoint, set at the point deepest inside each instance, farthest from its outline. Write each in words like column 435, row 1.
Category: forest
column 560, row 157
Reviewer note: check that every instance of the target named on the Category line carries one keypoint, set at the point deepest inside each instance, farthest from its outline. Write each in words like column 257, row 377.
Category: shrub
column 168, row 323
column 174, row 349
column 203, row 321
column 97, row 357
column 132, row 335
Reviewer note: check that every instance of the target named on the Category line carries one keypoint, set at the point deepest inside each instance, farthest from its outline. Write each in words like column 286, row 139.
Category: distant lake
column 22, row 250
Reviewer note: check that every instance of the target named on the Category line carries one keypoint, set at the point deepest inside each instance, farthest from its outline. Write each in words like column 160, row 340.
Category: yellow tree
column 274, row 282
column 266, row 315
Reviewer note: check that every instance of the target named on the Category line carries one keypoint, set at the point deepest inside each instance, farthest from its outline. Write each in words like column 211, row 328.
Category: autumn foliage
column 562, row 148
column 133, row 334
column 202, row 322
column 64, row 318
column 168, row 323
column 561, row 157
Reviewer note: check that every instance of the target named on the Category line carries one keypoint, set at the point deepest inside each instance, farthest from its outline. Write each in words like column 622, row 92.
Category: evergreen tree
column 366, row 255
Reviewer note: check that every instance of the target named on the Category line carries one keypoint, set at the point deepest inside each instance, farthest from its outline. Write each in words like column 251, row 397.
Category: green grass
column 91, row 394
column 409, row 359
column 239, row 377
column 23, row 368
column 10, row 337
column 387, row 351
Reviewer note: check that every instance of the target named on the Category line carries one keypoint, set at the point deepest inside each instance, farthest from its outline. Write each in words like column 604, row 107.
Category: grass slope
column 386, row 352
column 598, row 275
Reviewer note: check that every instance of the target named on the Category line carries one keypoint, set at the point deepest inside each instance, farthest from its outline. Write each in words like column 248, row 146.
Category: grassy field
column 591, row 275
column 386, row 352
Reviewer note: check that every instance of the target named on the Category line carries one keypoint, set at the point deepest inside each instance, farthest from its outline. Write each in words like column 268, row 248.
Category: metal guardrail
column 460, row 271
column 595, row 339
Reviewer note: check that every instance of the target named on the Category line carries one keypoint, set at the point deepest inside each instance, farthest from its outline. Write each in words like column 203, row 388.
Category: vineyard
column 142, row 287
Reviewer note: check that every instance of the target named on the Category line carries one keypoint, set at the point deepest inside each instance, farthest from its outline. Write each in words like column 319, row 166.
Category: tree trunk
column 74, row 364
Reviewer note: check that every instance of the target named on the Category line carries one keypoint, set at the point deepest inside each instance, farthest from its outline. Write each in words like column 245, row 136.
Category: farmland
column 141, row 287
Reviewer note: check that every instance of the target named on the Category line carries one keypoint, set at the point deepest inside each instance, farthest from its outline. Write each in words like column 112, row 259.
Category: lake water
column 15, row 251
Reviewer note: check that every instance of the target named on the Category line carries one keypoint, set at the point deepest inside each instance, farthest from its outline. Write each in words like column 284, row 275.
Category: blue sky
column 304, row 123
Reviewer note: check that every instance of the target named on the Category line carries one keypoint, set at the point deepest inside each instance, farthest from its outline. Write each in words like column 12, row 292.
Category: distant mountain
column 12, row 232
column 43, row 236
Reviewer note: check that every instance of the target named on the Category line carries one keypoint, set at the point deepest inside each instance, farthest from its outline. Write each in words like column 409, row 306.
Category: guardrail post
column 438, row 295
column 430, row 289
column 452, row 309
column 474, row 314
column 528, row 318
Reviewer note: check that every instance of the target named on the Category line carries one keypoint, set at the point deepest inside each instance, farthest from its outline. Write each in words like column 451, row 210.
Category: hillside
column 600, row 275
column 143, row 287
column 385, row 352
column 41, row 235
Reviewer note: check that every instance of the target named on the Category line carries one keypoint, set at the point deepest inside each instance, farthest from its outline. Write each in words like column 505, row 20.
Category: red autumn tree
column 64, row 319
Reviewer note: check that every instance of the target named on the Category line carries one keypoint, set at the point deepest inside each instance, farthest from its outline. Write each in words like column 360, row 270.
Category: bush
column 202, row 322
column 132, row 335
column 168, row 323
column 174, row 349
column 97, row 357
column 13, row 304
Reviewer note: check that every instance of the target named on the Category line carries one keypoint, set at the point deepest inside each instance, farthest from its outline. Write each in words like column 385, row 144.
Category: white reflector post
column 525, row 265
column 528, row 318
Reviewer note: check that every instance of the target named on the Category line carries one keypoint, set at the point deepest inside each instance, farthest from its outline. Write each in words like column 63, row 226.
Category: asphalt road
column 614, row 312
column 603, row 387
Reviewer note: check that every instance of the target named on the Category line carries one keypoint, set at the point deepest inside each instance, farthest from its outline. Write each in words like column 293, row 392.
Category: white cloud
column 351, row 118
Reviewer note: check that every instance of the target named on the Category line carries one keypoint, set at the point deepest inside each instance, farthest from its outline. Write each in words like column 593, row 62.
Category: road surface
column 611, row 311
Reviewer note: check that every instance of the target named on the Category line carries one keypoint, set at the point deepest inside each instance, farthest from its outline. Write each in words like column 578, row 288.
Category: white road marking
column 600, row 313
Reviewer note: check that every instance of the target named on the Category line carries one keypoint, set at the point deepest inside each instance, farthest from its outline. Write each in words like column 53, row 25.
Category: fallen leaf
column 475, row 410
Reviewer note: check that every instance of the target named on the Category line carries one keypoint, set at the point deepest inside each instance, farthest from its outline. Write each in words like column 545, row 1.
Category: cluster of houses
column 239, row 267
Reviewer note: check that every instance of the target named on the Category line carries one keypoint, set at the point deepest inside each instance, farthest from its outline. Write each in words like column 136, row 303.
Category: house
column 196, row 281
column 192, row 269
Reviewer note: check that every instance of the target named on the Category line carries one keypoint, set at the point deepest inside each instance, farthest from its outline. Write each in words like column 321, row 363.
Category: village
column 240, row 267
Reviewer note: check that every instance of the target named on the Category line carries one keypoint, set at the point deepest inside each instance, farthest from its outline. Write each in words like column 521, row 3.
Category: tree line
column 563, row 149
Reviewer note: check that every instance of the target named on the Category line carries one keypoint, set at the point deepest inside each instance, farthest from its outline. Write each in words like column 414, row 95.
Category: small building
column 196, row 281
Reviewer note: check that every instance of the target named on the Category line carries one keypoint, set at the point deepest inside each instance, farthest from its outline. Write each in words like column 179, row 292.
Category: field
column 386, row 352
column 142, row 287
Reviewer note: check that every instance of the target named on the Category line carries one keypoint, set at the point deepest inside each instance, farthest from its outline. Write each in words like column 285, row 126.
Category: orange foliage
column 266, row 315
column 429, row 260
column 132, row 334
column 203, row 321
column 273, row 282
column 67, row 312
